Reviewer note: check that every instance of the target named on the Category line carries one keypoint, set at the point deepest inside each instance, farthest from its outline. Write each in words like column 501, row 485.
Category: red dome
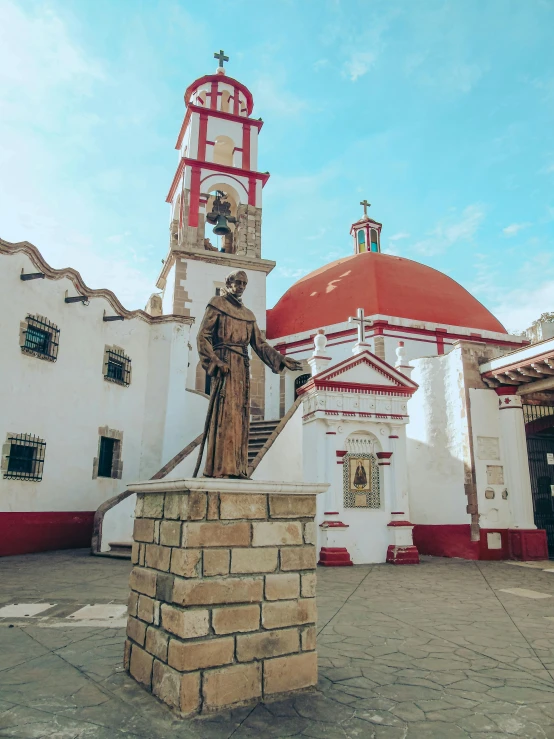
column 378, row 283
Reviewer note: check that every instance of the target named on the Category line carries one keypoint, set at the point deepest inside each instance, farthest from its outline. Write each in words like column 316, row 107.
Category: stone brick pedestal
column 222, row 608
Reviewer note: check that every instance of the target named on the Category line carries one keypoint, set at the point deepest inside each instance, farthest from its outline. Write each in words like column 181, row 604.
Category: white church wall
column 169, row 292
column 435, row 435
column 117, row 524
column 272, row 395
column 487, row 446
column 283, row 461
column 67, row 401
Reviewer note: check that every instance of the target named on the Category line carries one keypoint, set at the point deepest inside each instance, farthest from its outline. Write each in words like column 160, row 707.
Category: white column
column 331, row 466
column 516, row 463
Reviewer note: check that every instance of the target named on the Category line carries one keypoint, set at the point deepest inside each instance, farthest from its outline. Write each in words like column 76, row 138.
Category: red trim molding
column 231, row 81
column 24, row 533
column 212, row 167
column 194, row 205
column 245, row 146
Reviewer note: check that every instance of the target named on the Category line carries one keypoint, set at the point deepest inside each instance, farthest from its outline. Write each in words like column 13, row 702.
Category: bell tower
column 218, row 151
column 215, row 203
column 366, row 232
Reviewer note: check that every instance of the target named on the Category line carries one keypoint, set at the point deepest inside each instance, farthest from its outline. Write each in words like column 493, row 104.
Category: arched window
column 225, row 95
column 361, row 241
column 374, row 240
column 223, row 151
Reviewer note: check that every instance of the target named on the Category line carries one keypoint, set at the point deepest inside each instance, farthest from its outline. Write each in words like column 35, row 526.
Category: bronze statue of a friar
column 227, row 330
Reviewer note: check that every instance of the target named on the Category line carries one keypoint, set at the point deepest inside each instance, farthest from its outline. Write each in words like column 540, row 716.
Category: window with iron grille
column 39, row 337
column 117, row 366
column 23, row 457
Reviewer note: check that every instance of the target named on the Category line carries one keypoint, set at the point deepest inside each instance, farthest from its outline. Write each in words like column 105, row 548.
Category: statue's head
column 236, row 283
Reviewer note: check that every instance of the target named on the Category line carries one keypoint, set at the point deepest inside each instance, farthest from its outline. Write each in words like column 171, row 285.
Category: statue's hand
column 292, row 364
column 223, row 368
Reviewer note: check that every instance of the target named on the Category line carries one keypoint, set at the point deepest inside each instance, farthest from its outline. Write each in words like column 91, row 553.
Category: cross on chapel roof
column 366, row 206
column 362, row 321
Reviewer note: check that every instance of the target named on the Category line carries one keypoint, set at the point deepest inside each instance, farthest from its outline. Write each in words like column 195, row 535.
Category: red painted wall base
column 528, row 544
column 455, row 541
column 23, row 533
column 334, row 557
column 402, row 555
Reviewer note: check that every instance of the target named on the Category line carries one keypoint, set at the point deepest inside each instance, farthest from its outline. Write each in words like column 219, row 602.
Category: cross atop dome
column 366, row 206
column 221, row 58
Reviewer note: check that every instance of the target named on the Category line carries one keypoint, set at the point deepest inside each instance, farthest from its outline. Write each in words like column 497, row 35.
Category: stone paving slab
column 437, row 651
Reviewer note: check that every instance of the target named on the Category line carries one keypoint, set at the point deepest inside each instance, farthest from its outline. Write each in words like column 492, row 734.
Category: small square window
column 23, row 457
column 39, row 338
column 117, row 366
column 105, row 458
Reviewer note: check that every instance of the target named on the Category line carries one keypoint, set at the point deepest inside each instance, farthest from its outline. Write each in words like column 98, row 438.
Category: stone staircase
column 260, row 431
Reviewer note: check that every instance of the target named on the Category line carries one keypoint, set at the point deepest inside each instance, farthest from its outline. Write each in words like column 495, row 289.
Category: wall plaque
column 495, row 474
column 361, row 481
column 488, row 447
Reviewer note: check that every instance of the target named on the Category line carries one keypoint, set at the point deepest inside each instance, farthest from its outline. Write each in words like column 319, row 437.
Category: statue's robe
column 228, row 328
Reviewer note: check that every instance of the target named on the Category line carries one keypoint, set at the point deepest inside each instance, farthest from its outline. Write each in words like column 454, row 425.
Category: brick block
column 166, row 684
column 143, row 529
column 213, row 506
column 187, row 657
column 292, row 506
column 153, row 505
column 247, row 561
column 136, row 630
column 267, row 644
column 176, row 506
column 215, row 562
column 243, row 506
column 215, row 534
column 170, row 533
column 308, row 639
column 156, row 643
column 190, row 693
column 135, row 549
column 145, row 610
column 309, row 581
column 298, row 558
column 141, row 666
column 236, row 618
column 232, row 685
column 157, row 532
column 216, row 591
column 188, row 624
column 158, row 557
column 139, row 505
column 288, row 613
column 142, row 554
column 282, row 587
column 164, row 587
column 184, row 562
column 310, row 533
column 132, row 603
column 143, row 581
column 273, row 533
column 197, row 506
column 283, row 674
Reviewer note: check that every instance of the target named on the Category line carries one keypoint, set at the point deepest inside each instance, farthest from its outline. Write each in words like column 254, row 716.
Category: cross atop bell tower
column 366, row 232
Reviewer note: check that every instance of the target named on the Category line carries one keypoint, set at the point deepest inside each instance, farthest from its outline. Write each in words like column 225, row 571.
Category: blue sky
column 440, row 112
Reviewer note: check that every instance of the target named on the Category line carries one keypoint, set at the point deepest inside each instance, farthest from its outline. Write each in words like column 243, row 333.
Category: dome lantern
column 366, row 232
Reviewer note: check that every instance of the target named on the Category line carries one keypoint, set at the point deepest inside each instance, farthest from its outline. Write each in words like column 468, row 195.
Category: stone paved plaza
column 439, row 650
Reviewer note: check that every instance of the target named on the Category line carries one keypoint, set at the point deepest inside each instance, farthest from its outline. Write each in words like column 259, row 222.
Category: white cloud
column 274, row 99
column 518, row 308
column 359, row 63
column 292, row 273
column 514, row 228
column 452, row 230
column 398, row 236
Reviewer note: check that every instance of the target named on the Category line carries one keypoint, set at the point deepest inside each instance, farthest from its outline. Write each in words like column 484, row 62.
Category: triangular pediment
column 365, row 369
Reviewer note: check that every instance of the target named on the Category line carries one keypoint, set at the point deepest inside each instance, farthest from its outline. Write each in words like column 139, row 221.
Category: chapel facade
column 414, row 404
